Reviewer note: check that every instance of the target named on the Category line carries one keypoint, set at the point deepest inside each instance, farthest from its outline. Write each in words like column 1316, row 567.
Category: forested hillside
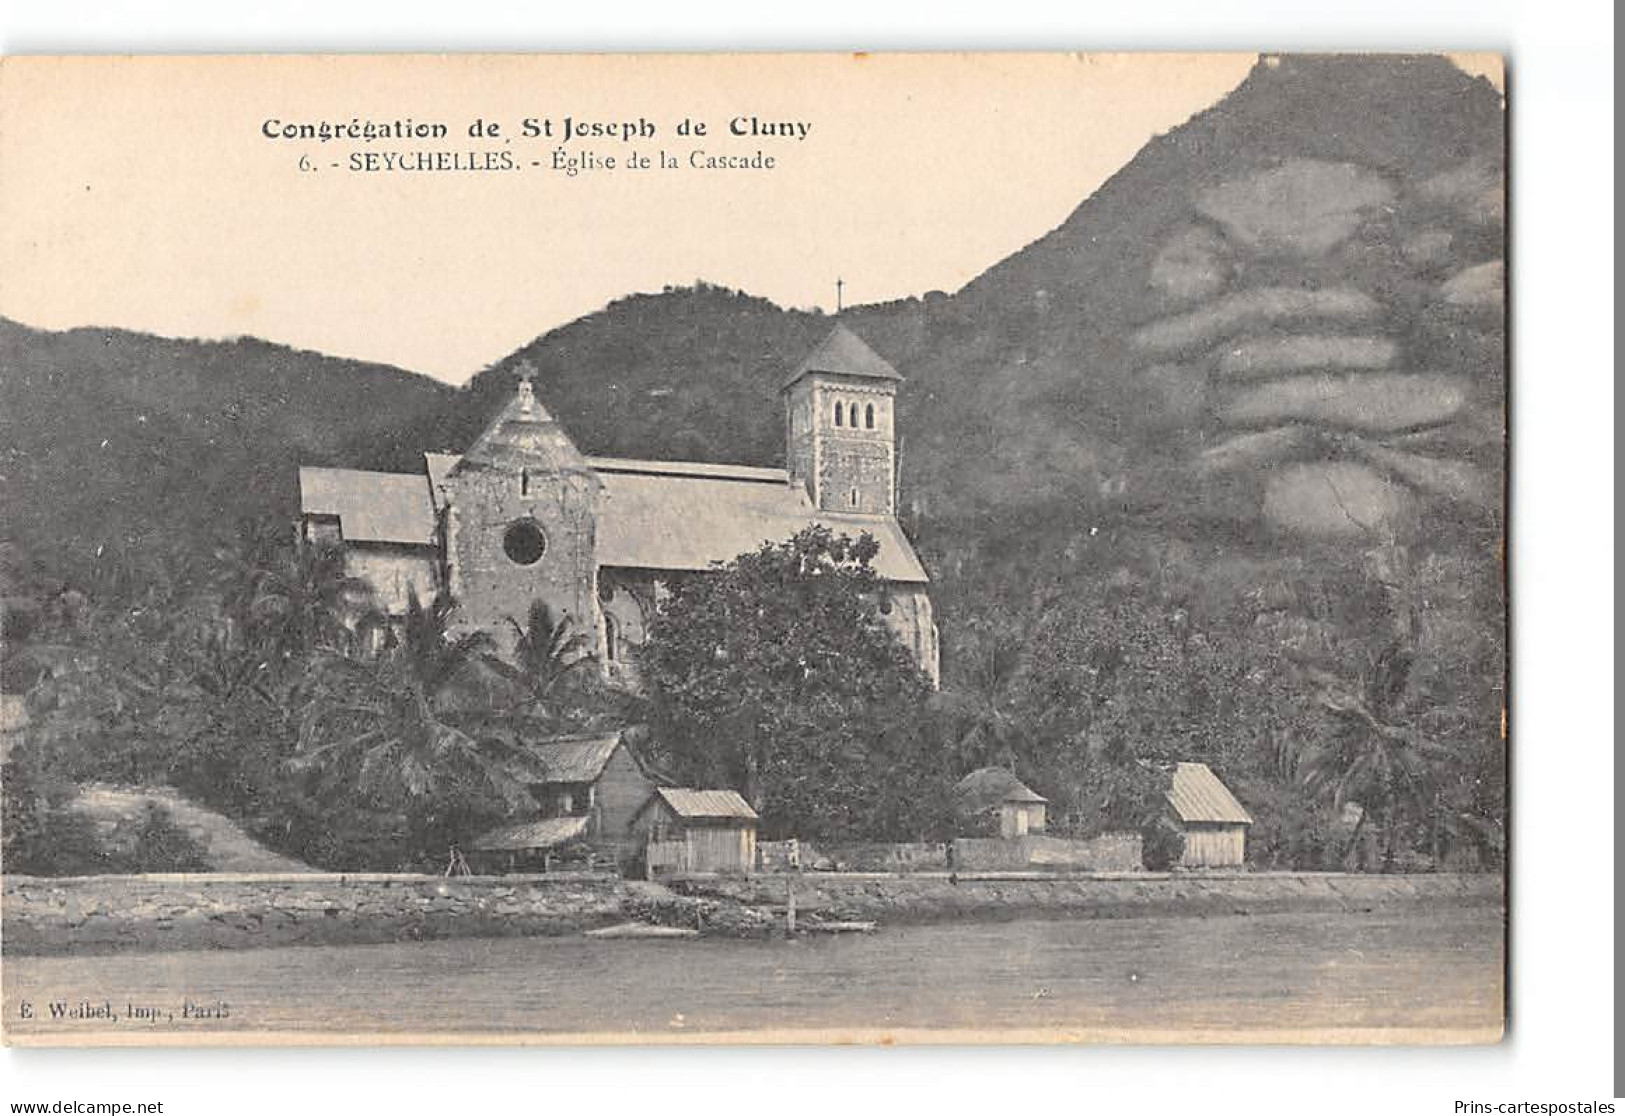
column 121, row 442
column 1211, row 471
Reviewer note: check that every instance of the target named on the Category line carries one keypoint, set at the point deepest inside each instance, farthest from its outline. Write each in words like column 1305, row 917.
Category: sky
column 144, row 193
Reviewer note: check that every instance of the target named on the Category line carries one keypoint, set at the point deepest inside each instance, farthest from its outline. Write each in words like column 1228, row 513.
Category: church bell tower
column 840, row 426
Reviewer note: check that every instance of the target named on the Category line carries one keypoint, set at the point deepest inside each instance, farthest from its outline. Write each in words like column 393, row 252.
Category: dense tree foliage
column 778, row 677
column 261, row 685
column 1352, row 702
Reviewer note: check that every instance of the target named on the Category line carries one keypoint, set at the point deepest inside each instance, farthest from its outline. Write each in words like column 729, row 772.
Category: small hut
column 587, row 788
column 1214, row 823
column 698, row 831
column 994, row 790
column 528, row 846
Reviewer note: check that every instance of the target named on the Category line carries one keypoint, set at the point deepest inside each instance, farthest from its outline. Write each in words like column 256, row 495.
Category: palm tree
column 975, row 720
column 440, row 658
column 549, row 654
column 547, row 648
column 299, row 600
column 1377, row 755
column 370, row 725
column 389, row 727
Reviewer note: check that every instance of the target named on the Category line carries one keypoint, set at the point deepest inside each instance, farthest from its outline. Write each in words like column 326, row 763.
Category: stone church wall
column 393, row 572
column 489, row 586
column 911, row 619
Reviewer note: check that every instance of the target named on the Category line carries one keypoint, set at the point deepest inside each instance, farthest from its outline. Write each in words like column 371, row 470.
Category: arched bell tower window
column 840, row 412
column 869, row 416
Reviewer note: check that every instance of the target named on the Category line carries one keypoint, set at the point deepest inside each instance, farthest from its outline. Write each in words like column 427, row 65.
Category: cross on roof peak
column 527, row 395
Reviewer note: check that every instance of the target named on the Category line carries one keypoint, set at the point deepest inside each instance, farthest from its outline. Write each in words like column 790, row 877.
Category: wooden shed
column 1214, row 822
column 588, row 789
column 599, row 777
column 527, row 846
column 698, row 831
column 995, row 790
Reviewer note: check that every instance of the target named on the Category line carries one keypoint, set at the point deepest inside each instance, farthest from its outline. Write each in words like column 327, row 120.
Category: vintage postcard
column 729, row 548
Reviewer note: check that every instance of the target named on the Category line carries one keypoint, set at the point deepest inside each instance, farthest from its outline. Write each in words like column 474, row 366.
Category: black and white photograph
column 755, row 548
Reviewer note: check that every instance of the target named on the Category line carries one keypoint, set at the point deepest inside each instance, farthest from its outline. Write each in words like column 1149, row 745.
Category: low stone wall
column 102, row 913
column 874, row 856
column 929, row 897
column 1109, row 852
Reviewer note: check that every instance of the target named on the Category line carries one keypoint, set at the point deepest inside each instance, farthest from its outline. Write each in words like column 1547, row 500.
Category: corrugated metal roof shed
column 701, row 805
column 1197, row 795
column 575, row 760
column 371, row 507
column 987, row 787
column 844, row 353
column 544, row 833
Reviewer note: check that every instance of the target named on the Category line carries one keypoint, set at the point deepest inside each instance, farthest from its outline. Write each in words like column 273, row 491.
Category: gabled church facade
column 523, row 515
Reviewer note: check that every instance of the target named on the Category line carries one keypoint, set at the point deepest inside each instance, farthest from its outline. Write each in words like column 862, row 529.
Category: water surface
column 1419, row 973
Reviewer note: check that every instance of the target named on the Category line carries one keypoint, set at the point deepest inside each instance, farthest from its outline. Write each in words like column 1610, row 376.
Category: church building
column 523, row 515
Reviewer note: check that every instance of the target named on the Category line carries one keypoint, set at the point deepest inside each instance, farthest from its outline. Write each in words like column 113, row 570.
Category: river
column 1421, row 973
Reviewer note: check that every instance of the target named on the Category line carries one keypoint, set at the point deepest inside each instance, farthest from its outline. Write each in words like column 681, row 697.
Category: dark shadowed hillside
column 112, row 438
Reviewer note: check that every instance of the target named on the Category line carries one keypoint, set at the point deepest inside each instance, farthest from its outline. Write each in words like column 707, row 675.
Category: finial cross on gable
column 527, row 395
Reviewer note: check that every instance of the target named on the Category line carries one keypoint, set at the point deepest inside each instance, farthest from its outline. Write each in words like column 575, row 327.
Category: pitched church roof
column 654, row 515
column 371, row 507
column 524, row 435
column 662, row 520
column 439, row 467
column 844, row 353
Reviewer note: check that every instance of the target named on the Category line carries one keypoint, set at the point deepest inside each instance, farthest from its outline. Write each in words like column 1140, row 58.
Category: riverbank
column 104, row 914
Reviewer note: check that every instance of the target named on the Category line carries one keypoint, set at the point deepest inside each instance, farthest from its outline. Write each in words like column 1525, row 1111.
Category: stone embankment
column 197, row 911
column 99, row 914
column 939, row 897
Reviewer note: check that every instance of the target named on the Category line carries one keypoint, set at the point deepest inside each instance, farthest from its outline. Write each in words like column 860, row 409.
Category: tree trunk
column 1434, row 827
column 1353, row 849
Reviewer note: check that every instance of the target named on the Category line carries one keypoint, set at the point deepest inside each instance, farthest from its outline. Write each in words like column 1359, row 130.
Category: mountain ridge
column 1026, row 397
